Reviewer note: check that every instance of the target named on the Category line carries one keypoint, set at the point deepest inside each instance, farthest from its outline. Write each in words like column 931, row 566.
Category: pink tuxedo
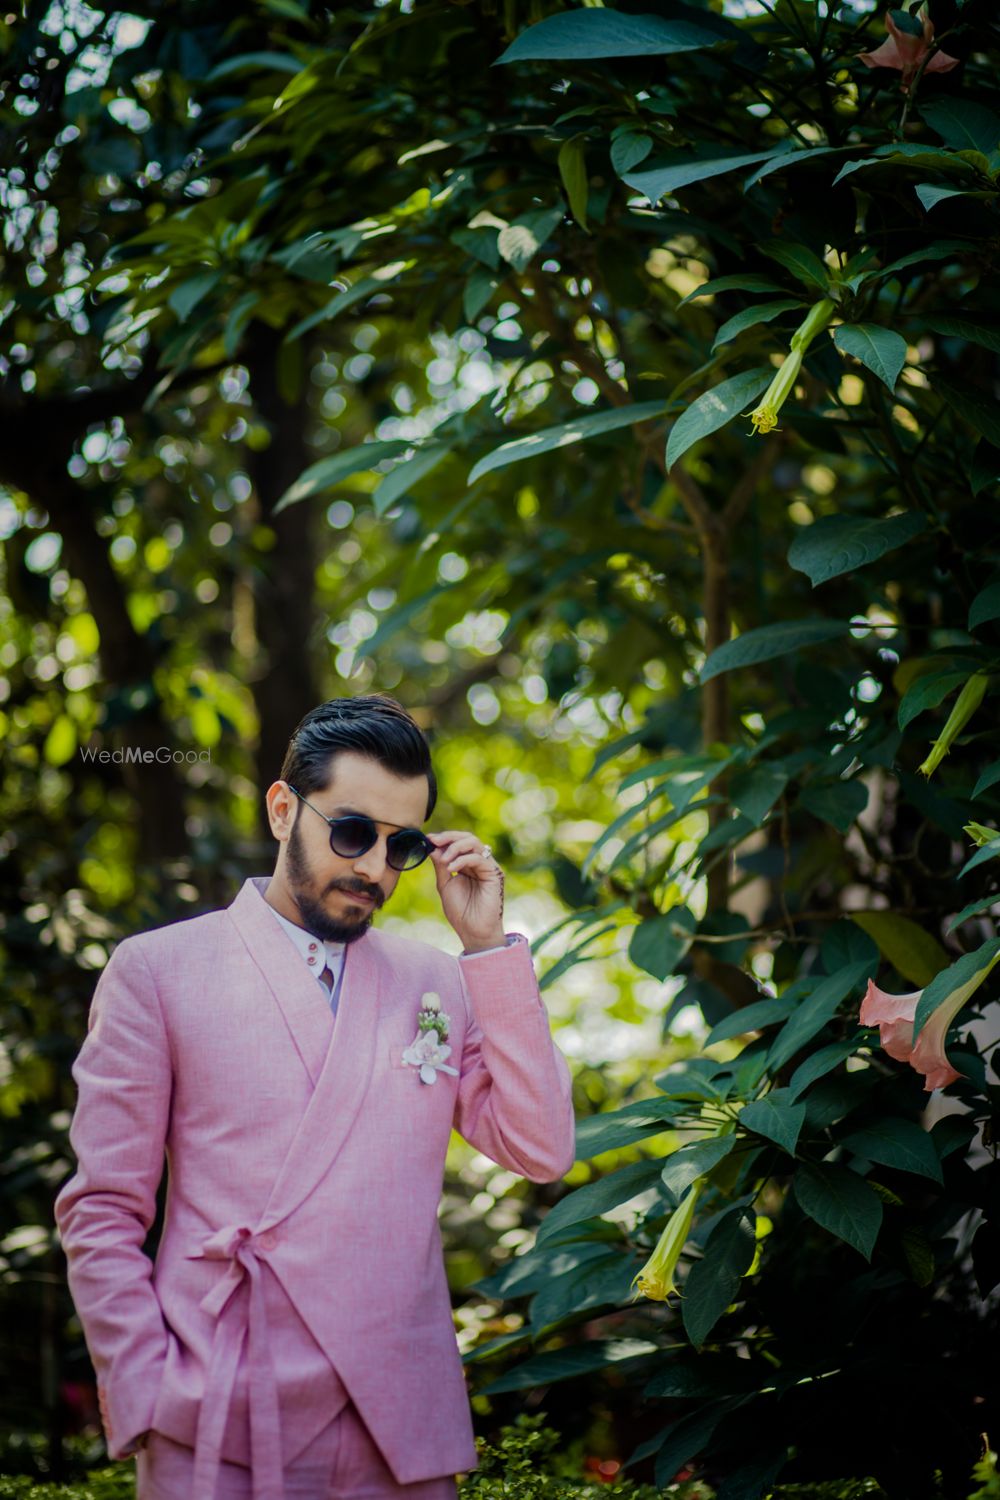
column 300, row 1255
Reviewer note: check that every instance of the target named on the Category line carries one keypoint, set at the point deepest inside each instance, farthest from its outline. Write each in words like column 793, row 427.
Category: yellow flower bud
column 656, row 1279
column 968, row 701
column 765, row 416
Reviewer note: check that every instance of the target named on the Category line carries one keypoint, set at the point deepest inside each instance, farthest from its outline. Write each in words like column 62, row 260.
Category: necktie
column 326, row 979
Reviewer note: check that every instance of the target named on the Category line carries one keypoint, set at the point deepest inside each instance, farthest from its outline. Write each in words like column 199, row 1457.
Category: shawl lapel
column 338, row 1053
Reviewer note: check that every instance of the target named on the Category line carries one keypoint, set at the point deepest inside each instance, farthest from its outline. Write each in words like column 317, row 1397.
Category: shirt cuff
column 509, row 941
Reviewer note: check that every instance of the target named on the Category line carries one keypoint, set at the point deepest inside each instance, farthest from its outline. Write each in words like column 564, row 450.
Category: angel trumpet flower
column 656, row 1279
column 894, row 1015
column 908, row 51
column 765, row 416
column 966, row 704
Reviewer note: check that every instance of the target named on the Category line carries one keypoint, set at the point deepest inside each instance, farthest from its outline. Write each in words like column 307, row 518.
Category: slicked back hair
column 372, row 724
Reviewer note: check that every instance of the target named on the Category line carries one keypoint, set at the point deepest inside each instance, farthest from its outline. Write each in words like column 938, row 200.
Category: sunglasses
column 354, row 834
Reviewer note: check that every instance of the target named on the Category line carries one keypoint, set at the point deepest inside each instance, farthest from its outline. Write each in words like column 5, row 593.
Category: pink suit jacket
column 306, row 1162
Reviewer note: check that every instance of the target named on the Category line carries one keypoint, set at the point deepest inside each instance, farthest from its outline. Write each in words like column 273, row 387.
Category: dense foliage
column 646, row 356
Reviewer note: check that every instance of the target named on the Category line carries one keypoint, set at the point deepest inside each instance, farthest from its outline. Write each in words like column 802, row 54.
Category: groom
column 302, row 1072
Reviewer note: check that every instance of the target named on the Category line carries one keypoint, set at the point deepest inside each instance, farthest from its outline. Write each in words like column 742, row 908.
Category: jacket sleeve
column 103, row 1212
column 515, row 1101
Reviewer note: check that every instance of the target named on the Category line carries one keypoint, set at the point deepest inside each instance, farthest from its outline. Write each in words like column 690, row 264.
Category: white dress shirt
column 317, row 953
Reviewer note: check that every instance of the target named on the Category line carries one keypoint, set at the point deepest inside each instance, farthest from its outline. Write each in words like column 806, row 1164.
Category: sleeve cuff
column 510, row 940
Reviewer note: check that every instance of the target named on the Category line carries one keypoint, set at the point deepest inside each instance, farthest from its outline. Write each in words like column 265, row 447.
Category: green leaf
column 240, row 314
column 275, row 62
column 628, row 150
column 606, row 1282
column 895, row 1142
column 982, row 856
column 750, row 317
column 358, row 291
column 684, row 1438
column 572, row 165
column 940, row 250
column 330, row 471
column 834, row 545
column 957, row 984
column 659, row 943
column 755, row 791
column 803, row 263
column 879, row 349
column 775, row 1118
column 927, row 691
column 983, row 329
column 789, row 159
column 818, row 1065
column 750, row 281
column 688, row 1163
column 408, row 472
column 623, row 1127
column 932, row 193
column 906, row 22
column 989, row 778
column 715, row 408
column 480, row 243
column 814, row 1012
column 977, row 407
column 598, row 33
column 595, row 1198
column 479, row 288
column 753, row 1017
column 973, row 909
column 985, row 607
column 566, row 1364
column 521, row 241
column 910, row 948
column 963, row 124
column 839, row 803
column 841, row 1202
column 770, row 641
column 594, row 424
column 185, row 298
column 714, row 1281
column 680, row 169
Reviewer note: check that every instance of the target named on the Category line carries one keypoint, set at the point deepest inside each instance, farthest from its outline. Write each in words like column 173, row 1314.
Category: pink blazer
column 305, row 1171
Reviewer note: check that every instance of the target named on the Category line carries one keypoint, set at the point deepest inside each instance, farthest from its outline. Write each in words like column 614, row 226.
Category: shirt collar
column 304, row 939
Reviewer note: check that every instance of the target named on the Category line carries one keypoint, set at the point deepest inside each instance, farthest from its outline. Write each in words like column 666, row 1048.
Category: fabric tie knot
column 239, row 1319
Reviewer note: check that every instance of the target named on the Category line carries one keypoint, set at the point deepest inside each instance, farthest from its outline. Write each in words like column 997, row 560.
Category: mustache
column 359, row 888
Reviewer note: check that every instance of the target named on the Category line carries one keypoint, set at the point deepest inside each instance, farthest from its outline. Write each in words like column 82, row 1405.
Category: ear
column 281, row 808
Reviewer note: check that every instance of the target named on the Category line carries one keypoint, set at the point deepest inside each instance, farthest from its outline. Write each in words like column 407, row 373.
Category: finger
column 452, row 839
column 480, row 863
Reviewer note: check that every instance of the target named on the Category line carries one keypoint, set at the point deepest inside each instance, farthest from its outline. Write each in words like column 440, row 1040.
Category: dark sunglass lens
column 350, row 837
column 406, row 850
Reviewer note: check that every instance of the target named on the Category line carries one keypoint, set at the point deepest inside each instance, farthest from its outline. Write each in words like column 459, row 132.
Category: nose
column 371, row 865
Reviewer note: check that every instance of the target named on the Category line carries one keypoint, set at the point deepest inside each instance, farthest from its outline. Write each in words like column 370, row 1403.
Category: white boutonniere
column 428, row 1050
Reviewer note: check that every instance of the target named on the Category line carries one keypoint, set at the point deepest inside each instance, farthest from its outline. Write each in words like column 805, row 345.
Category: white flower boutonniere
column 428, row 1049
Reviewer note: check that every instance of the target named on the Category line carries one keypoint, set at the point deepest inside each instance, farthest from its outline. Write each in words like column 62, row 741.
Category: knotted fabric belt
column 238, row 1305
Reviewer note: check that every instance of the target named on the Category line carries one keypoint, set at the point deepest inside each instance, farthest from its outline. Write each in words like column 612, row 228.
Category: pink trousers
column 341, row 1463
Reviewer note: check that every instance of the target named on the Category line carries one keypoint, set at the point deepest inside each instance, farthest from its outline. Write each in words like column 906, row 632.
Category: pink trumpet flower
column 894, row 1014
column 907, row 52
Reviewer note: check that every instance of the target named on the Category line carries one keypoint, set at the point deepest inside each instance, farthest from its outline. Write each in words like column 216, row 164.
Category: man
column 303, row 1071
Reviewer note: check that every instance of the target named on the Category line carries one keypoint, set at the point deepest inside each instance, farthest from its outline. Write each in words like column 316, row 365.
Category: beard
column 315, row 917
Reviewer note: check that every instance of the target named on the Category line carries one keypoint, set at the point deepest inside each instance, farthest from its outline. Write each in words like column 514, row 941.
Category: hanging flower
column 656, row 1279
column 907, row 51
column 966, row 704
column 765, row 416
column 894, row 1016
